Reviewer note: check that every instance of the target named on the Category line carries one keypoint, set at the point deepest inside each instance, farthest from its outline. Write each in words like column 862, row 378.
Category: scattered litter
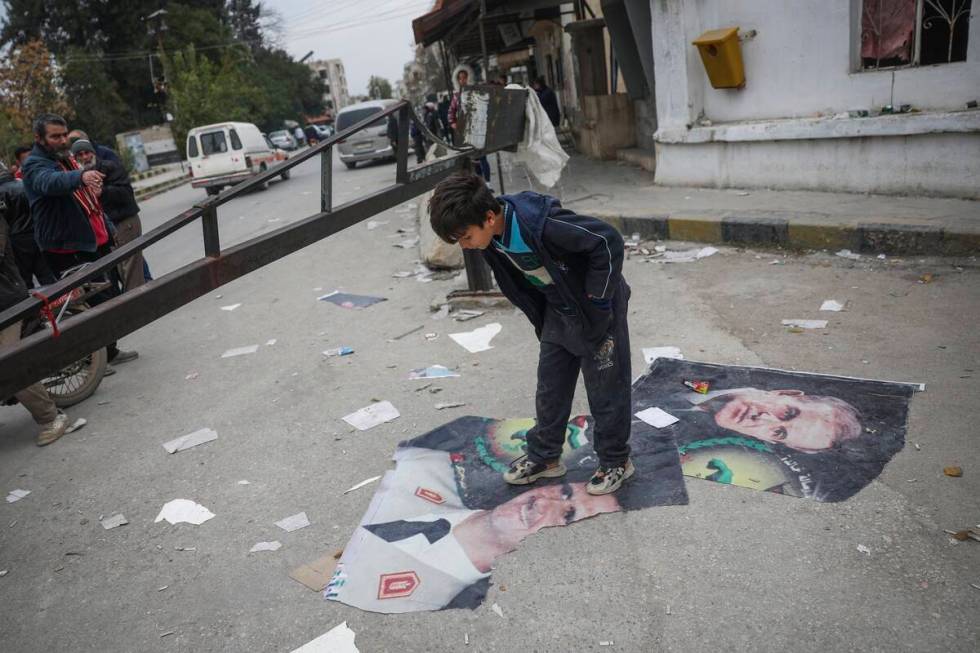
column 882, row 257
column 408, row 243
column 927, row 278
column 831, row 305
column 191, row 376
column 452, row 404
column 467, row 315
column 270, row 342
column 497, row 610
column 230, row 307
column 610, row 642
column 374, row 224
column 660, row 248
column 160, row 589
column 431, row 336
column 701, row 387
column 477, row 340
column 189, row 549
column 190, row 440
column 846, row 253
column 114, row 521
column 442, row 313
column 77, row 424
column 240, row 351
column 432, row 372
column 688, row 255
column 4, row 572
column 668, row 609
column 466, row 639
column 650, row 354
column 775, row 262
column 17, row 495
column 805, row 324
column 863, row 549
column 656, row 417
column 243, row 482
column 317, row 574
column 184, row 510
column 104, row 403
column 373, row 415
column 409, row 332
column 403, row 275
column 169, row 632
column 275, row 545
column 338, row 351
column 358, row 486
column 743, row 193
column 952, row 470
column 796, row 330
column 339, row 639
column 346, row 300
column 917, row 446
column 975, row 586
column 293, row 522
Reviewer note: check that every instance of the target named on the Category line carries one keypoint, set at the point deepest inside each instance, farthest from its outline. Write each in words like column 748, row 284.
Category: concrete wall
column 786, row 128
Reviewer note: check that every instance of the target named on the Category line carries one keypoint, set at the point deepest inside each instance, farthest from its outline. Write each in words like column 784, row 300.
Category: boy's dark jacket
column 583, row 255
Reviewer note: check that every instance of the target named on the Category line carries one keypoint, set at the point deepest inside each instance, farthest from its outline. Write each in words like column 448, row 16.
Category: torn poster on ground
column 346, row 300
column 439, row 520
column 804, row 435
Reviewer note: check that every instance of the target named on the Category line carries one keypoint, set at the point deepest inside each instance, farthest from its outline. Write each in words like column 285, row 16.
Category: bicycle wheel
column 76, row 382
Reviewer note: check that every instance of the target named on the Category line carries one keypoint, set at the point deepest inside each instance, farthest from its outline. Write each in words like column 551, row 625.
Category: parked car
column 315, row 133
column 283, row 139
column 370, row 143
column 224, row 154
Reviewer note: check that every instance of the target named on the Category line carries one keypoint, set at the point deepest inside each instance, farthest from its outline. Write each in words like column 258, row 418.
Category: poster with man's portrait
column 804, row 435
column 438, row 521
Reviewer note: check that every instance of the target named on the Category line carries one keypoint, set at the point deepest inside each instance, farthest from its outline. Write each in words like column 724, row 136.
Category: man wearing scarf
column 69, row 224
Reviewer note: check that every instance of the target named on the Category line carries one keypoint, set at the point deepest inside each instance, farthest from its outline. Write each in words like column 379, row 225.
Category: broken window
column 900, row 33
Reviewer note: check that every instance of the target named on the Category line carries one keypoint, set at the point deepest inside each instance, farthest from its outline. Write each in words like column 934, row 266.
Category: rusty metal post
column 209, row 222
column 326, row 180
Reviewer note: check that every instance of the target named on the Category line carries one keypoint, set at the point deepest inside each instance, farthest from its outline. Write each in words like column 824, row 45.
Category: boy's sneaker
column 524, row 472
column 608, row 479
column 52, row 430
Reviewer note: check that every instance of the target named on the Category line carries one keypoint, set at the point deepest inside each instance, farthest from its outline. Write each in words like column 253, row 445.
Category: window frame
column 857, row 21
column 236, row 142
column 224, row 140
column 193, row 151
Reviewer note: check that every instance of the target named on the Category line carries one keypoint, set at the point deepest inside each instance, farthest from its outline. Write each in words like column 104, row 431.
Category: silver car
column 370, row 143
column 283, row 139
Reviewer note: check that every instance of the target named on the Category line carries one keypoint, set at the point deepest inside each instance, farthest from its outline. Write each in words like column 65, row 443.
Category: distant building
column 331, row 71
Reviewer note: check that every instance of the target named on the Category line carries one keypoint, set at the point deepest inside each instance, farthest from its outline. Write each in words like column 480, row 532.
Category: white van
column 226, row 153
column 370, row 143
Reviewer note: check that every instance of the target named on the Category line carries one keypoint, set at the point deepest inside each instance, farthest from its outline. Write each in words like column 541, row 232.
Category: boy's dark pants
column 564, row 351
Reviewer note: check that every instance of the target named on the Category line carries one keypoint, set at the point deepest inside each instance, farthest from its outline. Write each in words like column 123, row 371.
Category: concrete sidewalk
column 803, row 220
column 163, row 179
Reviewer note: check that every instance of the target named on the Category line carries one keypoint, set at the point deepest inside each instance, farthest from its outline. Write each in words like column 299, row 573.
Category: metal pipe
column 483, row 42
column 326, row 180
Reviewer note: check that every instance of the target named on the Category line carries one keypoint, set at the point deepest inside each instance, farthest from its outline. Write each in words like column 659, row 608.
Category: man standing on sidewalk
column 119, row 203
column 69, row 223
column 34, row 398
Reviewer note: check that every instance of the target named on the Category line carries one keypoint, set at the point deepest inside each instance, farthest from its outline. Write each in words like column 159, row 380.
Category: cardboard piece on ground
column 477, row 340
column 805, row 324
column 114, row 521
column 184, row 510
column 339, row 639
column 294, row 522
column 317, row 574
column 657, row 417
column 239, row 351
column 831, row 305
column 190, row 440
column 274, row 545
column 17, row 495
column 432, row 372
column 347, row 300
column 651, row 354
column 373, row 415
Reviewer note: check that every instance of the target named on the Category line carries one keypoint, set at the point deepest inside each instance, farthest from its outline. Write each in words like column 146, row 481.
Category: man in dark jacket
column 548, row 99
column 17, row 213
column 34, row 398
column 564, row 271
column 119, row 203
column 69, row 223
column 103, row 152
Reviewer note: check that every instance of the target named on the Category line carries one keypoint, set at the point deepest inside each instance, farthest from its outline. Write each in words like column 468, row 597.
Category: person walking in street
column 564, row 271
column 105, row 153
column 119, row 204
column 34, row 398
column 548, row 99
column 20, row 223
column 69, row 223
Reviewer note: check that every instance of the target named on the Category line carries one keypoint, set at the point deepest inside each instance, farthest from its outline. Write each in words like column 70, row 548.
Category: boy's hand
column 597, row 335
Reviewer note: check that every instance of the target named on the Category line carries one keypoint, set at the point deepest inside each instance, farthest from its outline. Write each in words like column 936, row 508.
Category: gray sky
column 372, row 37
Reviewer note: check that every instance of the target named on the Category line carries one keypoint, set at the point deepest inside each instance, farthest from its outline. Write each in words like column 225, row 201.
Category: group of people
column 66, row 202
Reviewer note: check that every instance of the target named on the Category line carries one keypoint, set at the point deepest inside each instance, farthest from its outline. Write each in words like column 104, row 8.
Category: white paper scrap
column 293, row 522
column 863, row 549
column 497, row 610
column 275, row 545
column 656, row 417
column 79, row 423
column 358, row 486
column 477, row 340
column 650, row 354
column 184, row 510
column 114, row 521
column 190, row 440
column 270, row 342
column 339, row 639
column 243, row 482
column 705, row 252
column 831, row 305
column 238, row 351
column 230, row 307
column 806, row 324
column 846, row 253
column 373, row 415
column 17, row 495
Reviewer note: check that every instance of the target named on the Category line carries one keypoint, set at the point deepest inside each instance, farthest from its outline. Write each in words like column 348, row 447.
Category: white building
column 331, row 71
column 812, row 69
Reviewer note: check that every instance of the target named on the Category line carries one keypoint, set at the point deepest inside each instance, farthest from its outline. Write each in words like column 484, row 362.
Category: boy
column 564, row 271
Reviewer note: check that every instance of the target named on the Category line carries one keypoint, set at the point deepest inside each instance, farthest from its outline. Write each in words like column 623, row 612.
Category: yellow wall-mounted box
column 721, row 54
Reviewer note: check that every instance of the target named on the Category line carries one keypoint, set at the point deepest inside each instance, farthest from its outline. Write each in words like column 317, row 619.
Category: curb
column 759, row 231
column 147, row 192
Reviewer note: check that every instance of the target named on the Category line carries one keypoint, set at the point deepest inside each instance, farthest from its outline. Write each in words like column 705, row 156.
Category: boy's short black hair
column 458, row 202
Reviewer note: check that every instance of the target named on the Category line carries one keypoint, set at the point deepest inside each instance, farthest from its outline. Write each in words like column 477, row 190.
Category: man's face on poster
column 550, row 505
column 786, row 417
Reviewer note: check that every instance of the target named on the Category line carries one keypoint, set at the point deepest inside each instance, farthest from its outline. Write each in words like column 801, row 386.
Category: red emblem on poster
column 429, row 495
column 397, row 585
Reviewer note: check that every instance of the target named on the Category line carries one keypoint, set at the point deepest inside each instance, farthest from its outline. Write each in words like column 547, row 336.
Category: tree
column 29, row 85
column 290, row 88
column 94, row 96
column 379, row 88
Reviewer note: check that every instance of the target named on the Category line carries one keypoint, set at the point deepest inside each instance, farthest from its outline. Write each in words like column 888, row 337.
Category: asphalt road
column 735, row 570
